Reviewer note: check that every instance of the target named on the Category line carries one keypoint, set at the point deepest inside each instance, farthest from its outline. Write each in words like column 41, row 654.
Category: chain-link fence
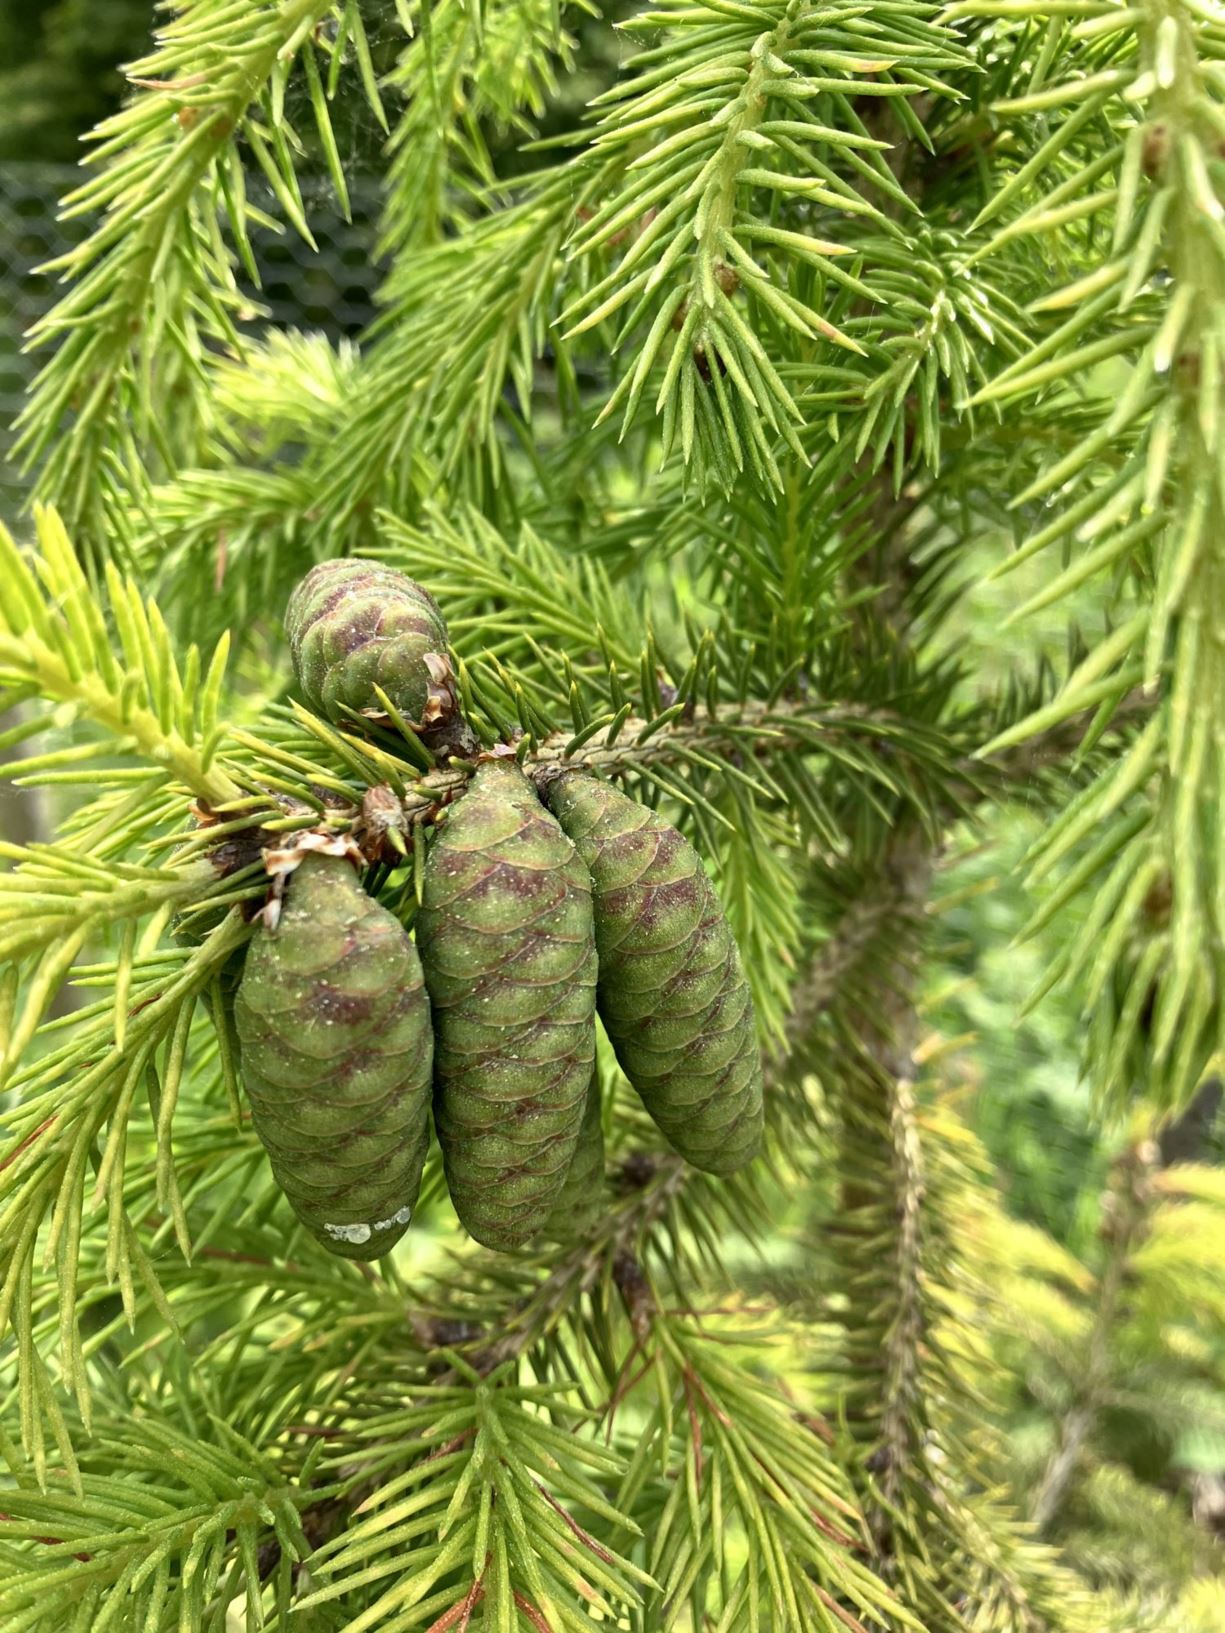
column 332, row 290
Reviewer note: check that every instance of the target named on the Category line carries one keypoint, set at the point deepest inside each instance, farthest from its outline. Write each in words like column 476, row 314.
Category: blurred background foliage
column 1144, row 1511
column 59, row 70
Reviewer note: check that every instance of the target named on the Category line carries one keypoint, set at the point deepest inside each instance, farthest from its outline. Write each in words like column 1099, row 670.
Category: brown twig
column 460, row 1614
column 695, row 1427
column 584, row 1537
column 840, row 1611
column 452, row 1445
column 533, row 1615
column 24, row 1145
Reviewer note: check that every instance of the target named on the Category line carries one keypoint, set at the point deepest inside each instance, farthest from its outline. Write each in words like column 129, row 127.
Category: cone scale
column 582, row 1197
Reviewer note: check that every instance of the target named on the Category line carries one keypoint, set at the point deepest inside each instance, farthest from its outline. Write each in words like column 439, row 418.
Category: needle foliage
column 722, row 361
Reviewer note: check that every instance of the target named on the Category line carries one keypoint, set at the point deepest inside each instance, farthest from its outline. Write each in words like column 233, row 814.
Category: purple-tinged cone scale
column 354, row 624
column 337, row 1057
column 673, row 997
column 506, row 939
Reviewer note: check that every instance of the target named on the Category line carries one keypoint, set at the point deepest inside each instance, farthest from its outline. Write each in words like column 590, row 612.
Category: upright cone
column 354, row 624
column 336, row 1058
column 673, row 997
column 505, row 933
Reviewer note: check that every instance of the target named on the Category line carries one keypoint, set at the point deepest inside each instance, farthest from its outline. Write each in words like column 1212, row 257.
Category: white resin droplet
column 400, row 1217
column 362, row 1233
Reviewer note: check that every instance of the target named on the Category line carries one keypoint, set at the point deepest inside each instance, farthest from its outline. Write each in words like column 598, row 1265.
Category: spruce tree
column 716, row 374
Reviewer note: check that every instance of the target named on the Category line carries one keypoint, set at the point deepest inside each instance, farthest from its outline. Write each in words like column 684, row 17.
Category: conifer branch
column 905, row 1400
column 153, row 282
column 886, row 1040
column 906, row 1258
column 464, row 316
column 189, row 1503
column 479, row 1499
column 1158, row 515
column 794, row 253
column 458, row 73
column 750, row 116
column 1119, row 1334
column 1125, row 1222
column 874, row 744
column 54, row 645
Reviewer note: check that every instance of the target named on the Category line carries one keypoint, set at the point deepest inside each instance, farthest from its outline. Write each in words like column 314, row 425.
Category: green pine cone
column 354, row 624
column 506, row 939
column 673, row 996
column 336, row 1057
column 582, row 1197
